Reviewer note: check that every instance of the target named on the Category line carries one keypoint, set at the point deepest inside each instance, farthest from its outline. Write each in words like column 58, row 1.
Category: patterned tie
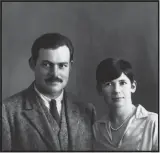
column 54, row 111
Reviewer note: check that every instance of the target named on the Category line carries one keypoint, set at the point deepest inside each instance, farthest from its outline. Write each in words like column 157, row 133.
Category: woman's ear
column 133, row 86
column 99, row 89
column 31, row 63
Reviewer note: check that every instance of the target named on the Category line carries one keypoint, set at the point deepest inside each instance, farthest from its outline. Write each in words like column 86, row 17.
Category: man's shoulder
column 18, row 97
column 84, row 107
column 14, row 99
column 77, row 101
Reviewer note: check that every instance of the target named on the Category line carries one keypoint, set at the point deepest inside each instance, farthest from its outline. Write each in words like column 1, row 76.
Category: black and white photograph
column 80, row 76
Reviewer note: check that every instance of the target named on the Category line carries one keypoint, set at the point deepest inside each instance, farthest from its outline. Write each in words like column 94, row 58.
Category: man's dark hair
column 110, row 69
column 51, row 41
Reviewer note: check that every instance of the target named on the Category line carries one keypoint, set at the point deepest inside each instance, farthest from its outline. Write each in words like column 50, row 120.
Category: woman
column 126, row 127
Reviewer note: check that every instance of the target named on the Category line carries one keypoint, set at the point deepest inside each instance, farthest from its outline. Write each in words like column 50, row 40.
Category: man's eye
column 63, row 65
column 46, row 64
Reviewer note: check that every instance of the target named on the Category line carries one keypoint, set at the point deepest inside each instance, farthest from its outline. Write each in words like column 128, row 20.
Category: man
column 44, row 117
column 125, row 127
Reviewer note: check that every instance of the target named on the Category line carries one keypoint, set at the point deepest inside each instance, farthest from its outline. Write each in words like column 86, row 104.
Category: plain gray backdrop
column 127, row 30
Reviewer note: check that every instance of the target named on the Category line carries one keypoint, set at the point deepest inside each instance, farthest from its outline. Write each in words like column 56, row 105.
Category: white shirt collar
column 47, row 100
column 140, row 113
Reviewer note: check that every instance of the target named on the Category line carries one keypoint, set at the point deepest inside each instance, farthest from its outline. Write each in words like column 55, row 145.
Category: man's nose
column 54, row 70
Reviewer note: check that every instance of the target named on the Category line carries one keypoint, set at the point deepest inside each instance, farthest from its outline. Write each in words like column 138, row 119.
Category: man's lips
column 53, row 82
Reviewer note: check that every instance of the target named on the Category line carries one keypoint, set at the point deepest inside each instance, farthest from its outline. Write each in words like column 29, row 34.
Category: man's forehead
column 61, row 49
column 61, row 53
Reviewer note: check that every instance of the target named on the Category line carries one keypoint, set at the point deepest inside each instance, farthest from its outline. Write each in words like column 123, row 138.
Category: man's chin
column 54, row 89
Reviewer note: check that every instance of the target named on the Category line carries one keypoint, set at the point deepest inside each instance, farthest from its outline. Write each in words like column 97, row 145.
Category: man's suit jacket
column 27, row 127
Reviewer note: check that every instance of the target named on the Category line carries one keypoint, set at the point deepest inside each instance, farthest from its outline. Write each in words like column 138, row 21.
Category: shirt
column 141, row 132
column 47, row 100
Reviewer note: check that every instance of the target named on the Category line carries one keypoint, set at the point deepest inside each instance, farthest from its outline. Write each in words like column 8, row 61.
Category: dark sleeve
column 6, row 131
column 93, row 119
column 93, row 113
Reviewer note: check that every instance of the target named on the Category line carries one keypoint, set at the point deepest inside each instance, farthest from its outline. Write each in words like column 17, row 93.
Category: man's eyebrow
column 54, row 63
column 63, row 63
column 46, row 61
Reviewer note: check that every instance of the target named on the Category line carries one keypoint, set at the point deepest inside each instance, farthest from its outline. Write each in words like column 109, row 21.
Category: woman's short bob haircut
column 110, row 69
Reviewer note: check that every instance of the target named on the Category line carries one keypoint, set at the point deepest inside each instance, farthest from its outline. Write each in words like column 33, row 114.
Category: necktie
column 54, row 111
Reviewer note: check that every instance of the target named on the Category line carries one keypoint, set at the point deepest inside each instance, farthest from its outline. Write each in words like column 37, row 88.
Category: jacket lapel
column 40, row 119
column 73, row 119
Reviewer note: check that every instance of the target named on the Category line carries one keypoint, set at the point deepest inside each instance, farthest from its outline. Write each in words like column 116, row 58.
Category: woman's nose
column 117, row 88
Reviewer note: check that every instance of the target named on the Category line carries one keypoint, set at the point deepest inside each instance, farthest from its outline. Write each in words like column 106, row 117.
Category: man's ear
column 71, row 63
column 133, row 86
column 32, row 63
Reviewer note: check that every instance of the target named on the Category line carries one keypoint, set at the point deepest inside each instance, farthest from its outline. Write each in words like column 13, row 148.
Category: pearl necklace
column 121, row 124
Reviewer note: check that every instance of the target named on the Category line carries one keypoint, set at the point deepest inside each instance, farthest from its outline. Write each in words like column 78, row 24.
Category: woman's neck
column 118, row 115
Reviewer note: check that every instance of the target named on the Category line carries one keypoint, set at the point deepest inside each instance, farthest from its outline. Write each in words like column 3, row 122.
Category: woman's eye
column 123, row 83
column 108, row 84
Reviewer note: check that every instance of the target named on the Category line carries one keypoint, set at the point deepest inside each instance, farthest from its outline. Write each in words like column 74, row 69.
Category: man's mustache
column 53, row 79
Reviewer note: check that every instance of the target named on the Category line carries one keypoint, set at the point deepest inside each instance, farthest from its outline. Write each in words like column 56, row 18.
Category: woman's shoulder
column 152, row 117
column 144, row 113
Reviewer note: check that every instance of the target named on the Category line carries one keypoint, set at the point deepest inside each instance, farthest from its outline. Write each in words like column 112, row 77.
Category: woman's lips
column 117, row 98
